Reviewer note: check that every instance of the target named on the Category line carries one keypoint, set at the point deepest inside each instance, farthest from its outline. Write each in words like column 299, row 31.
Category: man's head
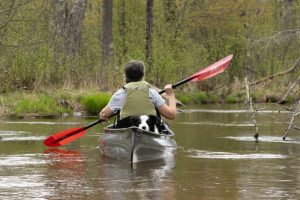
column 134, row 71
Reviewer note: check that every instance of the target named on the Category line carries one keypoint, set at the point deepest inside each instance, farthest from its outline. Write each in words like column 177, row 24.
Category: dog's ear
column 123, row 123
column 134, row 120
column 154, row 119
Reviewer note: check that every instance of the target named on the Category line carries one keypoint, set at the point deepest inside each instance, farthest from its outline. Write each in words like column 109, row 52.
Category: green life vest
column 137, row 100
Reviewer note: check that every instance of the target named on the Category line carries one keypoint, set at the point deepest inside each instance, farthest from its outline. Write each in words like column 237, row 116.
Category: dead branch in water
column 277, row 120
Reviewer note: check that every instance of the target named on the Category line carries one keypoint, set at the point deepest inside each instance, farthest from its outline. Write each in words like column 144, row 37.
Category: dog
column 144, row 122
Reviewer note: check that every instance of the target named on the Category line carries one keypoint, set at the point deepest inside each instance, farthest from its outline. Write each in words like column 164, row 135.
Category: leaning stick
column 249, row 100
column 295, row 114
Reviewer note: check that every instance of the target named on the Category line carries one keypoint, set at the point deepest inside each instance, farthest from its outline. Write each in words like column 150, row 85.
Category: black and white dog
column 145, row 122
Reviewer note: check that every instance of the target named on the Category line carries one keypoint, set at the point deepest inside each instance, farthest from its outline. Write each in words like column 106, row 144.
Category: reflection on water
column 217, row 158
column 145, row 180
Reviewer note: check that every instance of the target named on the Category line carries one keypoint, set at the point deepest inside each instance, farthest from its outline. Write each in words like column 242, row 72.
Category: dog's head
column 149, row 123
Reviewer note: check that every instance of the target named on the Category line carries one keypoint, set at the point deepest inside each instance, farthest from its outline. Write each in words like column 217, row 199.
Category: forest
column 82, row 45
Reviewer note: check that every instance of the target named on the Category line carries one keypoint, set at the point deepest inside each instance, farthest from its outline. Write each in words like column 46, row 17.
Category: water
column 217, row 158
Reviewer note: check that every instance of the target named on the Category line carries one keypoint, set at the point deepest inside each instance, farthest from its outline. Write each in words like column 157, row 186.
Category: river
column 217, row 158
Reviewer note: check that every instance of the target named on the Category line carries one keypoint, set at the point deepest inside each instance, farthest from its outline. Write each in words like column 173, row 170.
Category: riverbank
column 55, row 103
column 51, row 103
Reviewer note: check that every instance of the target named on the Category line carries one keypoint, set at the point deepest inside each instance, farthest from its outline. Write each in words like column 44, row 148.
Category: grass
column 39, row 105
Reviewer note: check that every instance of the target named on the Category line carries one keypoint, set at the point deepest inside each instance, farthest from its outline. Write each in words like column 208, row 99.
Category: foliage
column 197, row 98
column 187, row 35
column 235, row 97
column 201, row 97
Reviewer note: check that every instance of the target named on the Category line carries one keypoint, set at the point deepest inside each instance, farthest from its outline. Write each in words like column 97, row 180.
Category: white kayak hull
column 136, row 145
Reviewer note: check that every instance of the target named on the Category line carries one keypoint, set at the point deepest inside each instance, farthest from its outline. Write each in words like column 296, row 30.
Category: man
column 137, row 98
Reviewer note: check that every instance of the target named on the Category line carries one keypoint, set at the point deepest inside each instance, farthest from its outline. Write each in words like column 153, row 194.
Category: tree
column 149, row 29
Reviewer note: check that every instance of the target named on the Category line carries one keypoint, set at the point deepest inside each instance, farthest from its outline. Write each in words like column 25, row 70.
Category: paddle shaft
column 82, row 129
column 179, row 83
column 79, row 130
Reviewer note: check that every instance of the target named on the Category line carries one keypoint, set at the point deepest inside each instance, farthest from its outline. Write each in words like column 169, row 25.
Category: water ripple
column 219, row 124
column 231, row 111
column 264, row 138
column 18, row 136
column 39, row 122
column 231, row 156
column 22, row 160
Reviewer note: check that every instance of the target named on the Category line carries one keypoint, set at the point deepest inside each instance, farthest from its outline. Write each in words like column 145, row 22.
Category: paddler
column 138, row 98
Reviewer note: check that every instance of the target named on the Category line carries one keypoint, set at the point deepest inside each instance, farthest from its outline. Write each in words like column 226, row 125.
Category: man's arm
column 115, row 103
column 169, row 110
column 105, row 113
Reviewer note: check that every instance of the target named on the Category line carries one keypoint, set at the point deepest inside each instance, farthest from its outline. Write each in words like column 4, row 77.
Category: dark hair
column 134, row 71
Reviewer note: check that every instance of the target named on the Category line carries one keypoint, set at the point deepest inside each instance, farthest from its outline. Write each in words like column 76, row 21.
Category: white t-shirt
column 118, row 99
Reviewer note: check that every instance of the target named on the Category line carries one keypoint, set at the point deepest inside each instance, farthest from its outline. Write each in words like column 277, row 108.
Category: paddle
column 206, row 73
column 67, row 136
column 72, row 134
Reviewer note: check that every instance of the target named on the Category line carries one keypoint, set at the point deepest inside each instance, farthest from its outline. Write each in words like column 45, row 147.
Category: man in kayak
column 138, row 98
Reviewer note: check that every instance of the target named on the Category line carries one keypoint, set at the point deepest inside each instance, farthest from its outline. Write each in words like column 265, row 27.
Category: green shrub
column 93, row 103
column 230, row 99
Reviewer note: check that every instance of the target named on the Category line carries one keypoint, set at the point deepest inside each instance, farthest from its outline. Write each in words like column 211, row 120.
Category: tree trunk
column 74, row 26
column 107, row 39
column 67, row 24
column 149, row 28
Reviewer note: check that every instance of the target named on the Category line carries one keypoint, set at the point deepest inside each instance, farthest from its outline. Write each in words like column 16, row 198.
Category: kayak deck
column 135, row 145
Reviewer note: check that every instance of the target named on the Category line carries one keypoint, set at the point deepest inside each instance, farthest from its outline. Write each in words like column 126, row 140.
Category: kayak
column 135, row 145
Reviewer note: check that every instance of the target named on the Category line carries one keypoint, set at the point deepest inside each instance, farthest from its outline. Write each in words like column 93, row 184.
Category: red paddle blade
column 213, row 69
column 64, row 137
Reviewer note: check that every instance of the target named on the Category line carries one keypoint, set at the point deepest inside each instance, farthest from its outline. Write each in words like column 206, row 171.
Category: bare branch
column 290, row 70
